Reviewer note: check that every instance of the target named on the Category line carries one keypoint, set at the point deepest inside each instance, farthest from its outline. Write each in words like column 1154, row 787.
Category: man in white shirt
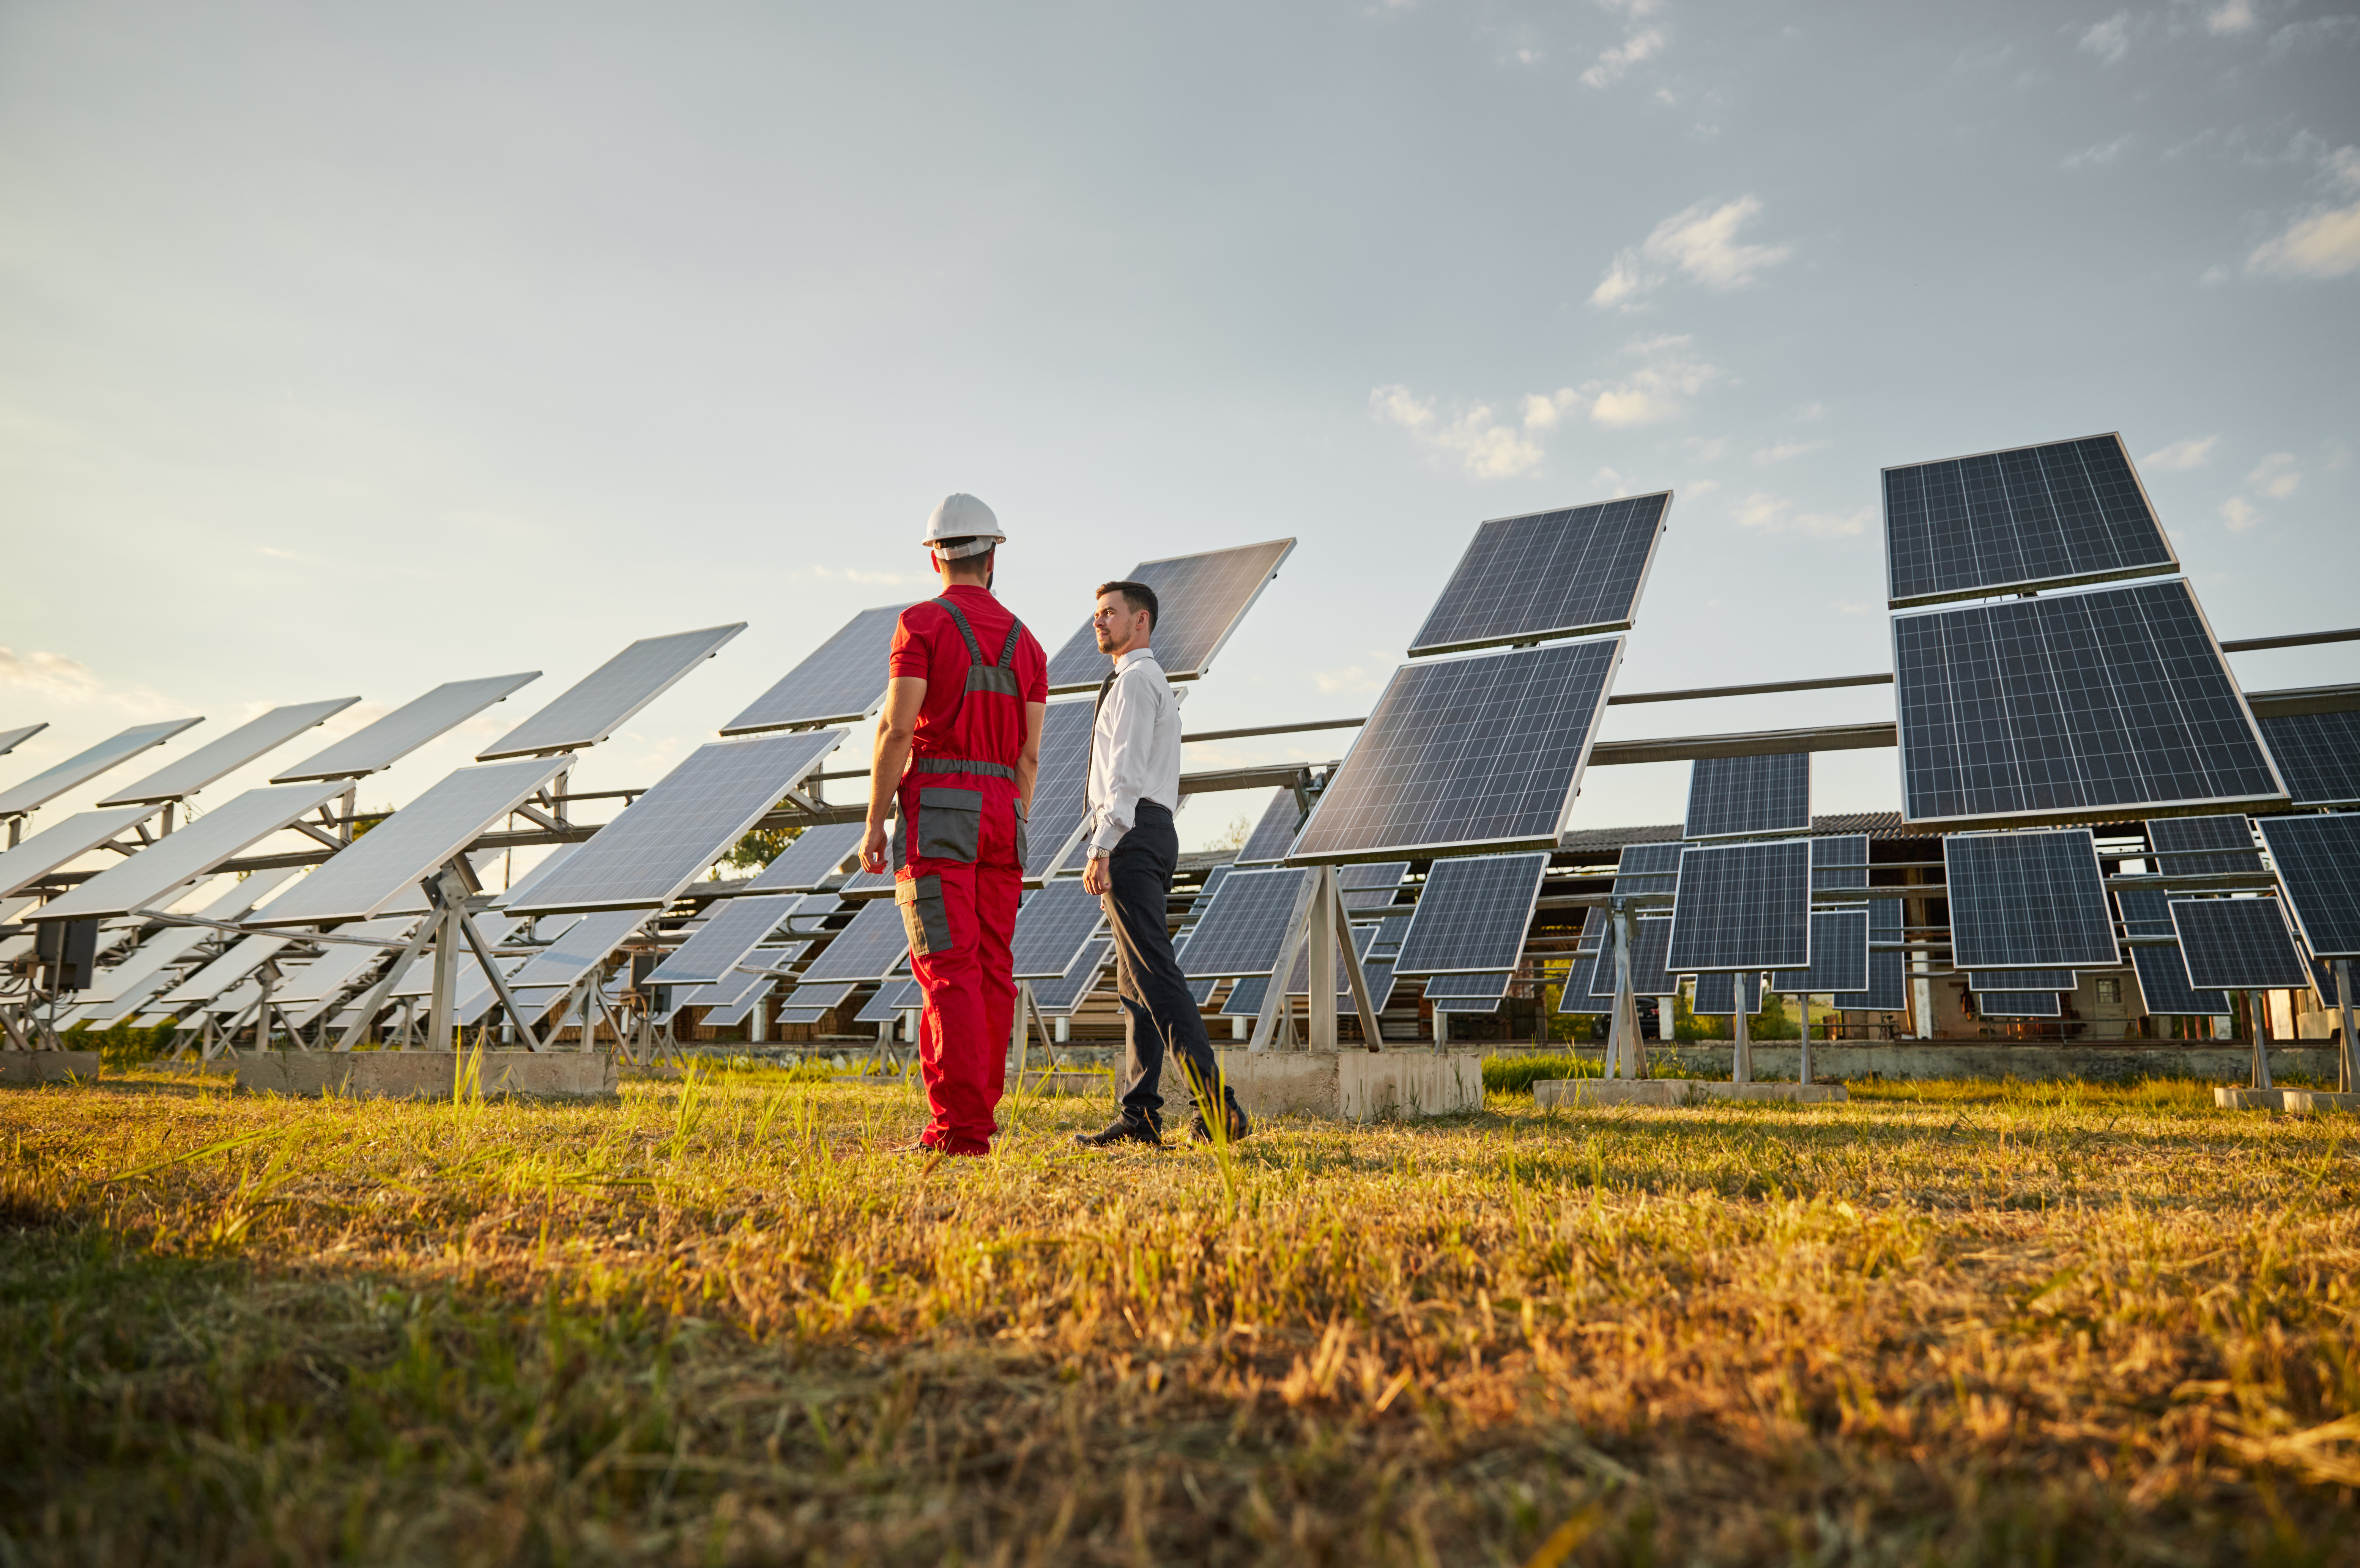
column 1134, row 788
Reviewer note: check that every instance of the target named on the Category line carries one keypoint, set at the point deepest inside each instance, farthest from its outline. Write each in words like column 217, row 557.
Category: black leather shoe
column 1238, row 1126
column 1124, row 1130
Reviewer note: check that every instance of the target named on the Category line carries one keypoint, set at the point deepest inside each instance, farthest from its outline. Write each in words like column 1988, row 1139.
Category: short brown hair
column 1138, row 595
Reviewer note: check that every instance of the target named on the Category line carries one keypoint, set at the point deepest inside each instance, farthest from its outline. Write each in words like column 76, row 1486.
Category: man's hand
column 873, row 848
column 1095, row 880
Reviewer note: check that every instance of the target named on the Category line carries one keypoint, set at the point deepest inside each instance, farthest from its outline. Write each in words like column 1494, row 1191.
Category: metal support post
column 1803, row 1015
column 2257, row 1004
column 1740, row 1065
column 263, row 977
column 1321, row 936
column 2347, row 1061
column 444, row 997
column 1626, row 1049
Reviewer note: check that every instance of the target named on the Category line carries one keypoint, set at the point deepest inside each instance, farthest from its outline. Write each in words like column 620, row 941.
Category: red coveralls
column 958, row 855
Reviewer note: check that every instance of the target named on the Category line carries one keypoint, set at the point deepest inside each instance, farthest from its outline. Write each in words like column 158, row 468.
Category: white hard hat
column 962, row 517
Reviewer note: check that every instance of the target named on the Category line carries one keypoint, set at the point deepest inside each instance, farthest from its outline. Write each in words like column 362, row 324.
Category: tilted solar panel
column 2203, row 846
column 62, row 842
column 30, row 794
column 497, row 931
column 1650, row 942
column 2145, row 912
column 1465, row 754
column 1298, row 982
column 344, row 962
column 2318, row 863
column 841, row 681
column 1241, row 930
column 1749, row 797
column 1201, row 598
column 2164, row 988
column 1839, row 956
column 2028, row 901
column 735, row 1013
column 393, row 857
column 814, row 999
column 1472, row 914
column 11, row 739
column 2238, row 944
column 2318, row 755
column 1888, row 982
column 1060, row 789
column 2002, row 521
column 1743, row 906
column 2077, row 705
column 156, row 874
column 1245, row 997
column 1573, row 994
column 1647, row 868
column 1053, row 925
column 227, row 753
column 1839, row 861
column 871, row 948
column 1059, row 997
column 1370, row 887
column 603, row 700
column 887, row 1005
column 742, row 983
column 379, row 745
column 2021, row 980
column 237, row 961
column 586, row 945
column 2018, row 1005
column 818, row 853
column 1466, row 993
column 1716, row 994
column 1274, row 835
column 546, row 867
column 1547, row 574
column 737, row 927
column 667, row 838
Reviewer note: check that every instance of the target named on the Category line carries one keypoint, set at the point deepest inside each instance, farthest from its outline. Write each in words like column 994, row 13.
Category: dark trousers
column 1161, row 1015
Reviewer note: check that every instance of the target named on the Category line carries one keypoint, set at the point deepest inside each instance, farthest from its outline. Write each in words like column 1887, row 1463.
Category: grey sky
column 350, row 350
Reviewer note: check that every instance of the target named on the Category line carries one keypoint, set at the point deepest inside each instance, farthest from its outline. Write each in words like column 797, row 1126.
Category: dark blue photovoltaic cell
column 2021, row 980
column 2164, row 987
column 2238, row 944
column 1241, row 929
column 1274, row 834
column 1650, row 940
column 2018, row 1005
column 841, row 680
column 1839, row 956
column 2318, row 863
column 2203, row 846
column 1647, row 868
column 1749, row 796
column 1472, row 914
column 1716, row 994
column 1201, row 598
column 1466, row 993
column 815, row 857
column 1573, row 996
column 2318, row 755
column 2073, row 703
column 1556, row 573
column 2068, row 512
column 1743, row 906
column 1888, row 985
column 2028, row 901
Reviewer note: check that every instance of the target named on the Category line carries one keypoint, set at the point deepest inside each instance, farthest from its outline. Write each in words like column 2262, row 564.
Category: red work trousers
column 959, row 875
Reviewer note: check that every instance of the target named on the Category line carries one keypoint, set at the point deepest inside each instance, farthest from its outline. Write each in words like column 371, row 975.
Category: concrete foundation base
column 47, row 1066
column 1353, row 1085
column 2311, row 1102
column 1575, row 1092
column 1838, row 1061
column 429, row 1075
column 2232, row 1099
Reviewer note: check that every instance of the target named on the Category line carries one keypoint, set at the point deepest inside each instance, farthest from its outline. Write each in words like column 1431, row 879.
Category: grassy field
column 720, row 1323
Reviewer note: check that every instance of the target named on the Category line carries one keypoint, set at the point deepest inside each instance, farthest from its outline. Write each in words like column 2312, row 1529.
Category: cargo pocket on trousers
column 950, row 822
column 1021, row 856
column 923, row 915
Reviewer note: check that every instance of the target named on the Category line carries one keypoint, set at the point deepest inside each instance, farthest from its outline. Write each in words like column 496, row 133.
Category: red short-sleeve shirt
column 927, row 645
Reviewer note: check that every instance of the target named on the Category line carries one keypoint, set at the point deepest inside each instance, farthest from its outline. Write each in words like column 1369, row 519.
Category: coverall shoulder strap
column 1015, row 636
column 974, row 649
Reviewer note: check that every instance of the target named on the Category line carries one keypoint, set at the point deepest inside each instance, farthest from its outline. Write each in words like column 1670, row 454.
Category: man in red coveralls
column 957, row 748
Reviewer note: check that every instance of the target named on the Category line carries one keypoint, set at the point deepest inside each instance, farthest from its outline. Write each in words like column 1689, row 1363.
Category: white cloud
column 2277, row 475
column 2098, row 156
column 2239, row 514
column 1775, row 514
column 1810, row 411
column 1611, row 66
column 2236, row 17
column 1785, row 450
column 1711, row 450
column 2317, row 30
column 1657, row 390
column 2325, row 241
column 1700, row 242
column 50, row 675
column 854, row 574
column 2110, row 40
column 1484, row 447
column 2192, row 452
column 1695, row 488
column 1350, row 678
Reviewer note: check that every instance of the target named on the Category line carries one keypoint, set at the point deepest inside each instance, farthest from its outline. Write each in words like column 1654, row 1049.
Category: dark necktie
column 1104, row 687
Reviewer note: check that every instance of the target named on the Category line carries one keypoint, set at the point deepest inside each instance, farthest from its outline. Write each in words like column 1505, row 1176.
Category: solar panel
column 1716, row 994
column 11, row 739
column 1053, row 925
column 1061, row 788
column 2002, row 521
column 2318, row 863
column 1298, row 982
column 1060, row 996
column 1839, row 956
column 1241, row 930
column 840, row 682
column 1199, row 991
column 1466, row 993
column 738, row 984
column 2018, row 1005
column 1749, row 797
column 496, row 930
column 665, row 840
column 1274, row 834
column 1888, row 982
column 1370, row 887
column 2145, row 911
column 1205, row 891
column 156, row 874
column 1201, row 599
column 2203, row 846
column 393, row 857
column 1573, row 991
column 2238, row 944
column 586, row 945
column 548, row 867
column 379, row 745
column 2082, row 703
column 2021, row 980
column 32, row 793
column 1245, row 997
column 815, row 999
column 1547, row 574
column 61, row 843
column 723, row 1011
column 412, row 900
column 1472, row 914
column 1650, row 942
column 603, row 700
column 240, row 959
column 1645, row 868
column 343, row 963
column 1840, row 862
column 886, row 1006
column 812, row 860
column 1743, row 906
column 2164, row 987
column 2027, row 900
column 867, row 949
column 227, row 753
column 2318, row 755
column 1481, row 753
column 737, row 927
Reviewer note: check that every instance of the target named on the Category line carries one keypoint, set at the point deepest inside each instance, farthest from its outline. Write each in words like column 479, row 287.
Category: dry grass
column 1944, row 1323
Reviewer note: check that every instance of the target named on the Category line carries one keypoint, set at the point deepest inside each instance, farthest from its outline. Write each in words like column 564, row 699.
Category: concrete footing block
column 2234, row 1099
column 1353, row 1085
column 1576, row 1092
column 429, row 1075
column 21, row 1067
column 2311, row 1102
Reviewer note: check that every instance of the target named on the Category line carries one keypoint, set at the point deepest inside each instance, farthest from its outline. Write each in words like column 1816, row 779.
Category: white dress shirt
column 1134, row 749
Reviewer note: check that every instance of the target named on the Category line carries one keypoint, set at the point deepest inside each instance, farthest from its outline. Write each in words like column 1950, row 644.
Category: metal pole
column 446, row 995
column 1740, row 1067
column 2259, row 1006
column 2347, row 1061
column 1628, row 1049
column 1803, row 1013
column 1321, row 966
